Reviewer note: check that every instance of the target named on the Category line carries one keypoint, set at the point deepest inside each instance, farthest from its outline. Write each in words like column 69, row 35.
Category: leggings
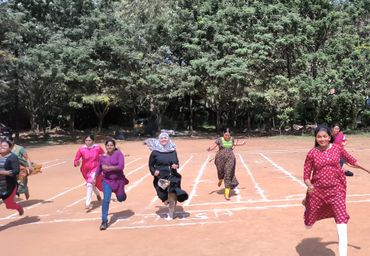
column 9, row 202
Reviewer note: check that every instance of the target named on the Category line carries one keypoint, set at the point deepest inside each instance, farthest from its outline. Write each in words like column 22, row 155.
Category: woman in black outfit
column 9, row 168
column 163, row 165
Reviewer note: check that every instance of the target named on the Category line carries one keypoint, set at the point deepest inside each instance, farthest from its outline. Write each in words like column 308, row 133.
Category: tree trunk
column 100, row 122
column 33, row 122
column 249, row 122
column 191, row 114
column 16, row 105
column 218, row 119
column 100, row 113
column 71, row 121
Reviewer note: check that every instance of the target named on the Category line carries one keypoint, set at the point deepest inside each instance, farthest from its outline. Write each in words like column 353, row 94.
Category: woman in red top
column 326, row 184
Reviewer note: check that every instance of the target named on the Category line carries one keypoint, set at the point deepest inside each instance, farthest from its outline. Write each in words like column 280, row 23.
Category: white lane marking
column 295, row 196
column 51, row 161
column 290, row 175
column 136, row 183
column 51, row 198
column 48, row 166
column 76, row 202
column 197, row 181
column 133, row 161
column 286, row 199
column 135, row 170
column 213, row 210
column 260, row 191
column 155, row 198
column 170, row 225
column 354, row 195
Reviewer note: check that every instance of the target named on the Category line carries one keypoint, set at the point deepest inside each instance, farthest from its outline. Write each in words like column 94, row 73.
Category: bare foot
column 21, row 211
column 98, row 197
column 219, row 183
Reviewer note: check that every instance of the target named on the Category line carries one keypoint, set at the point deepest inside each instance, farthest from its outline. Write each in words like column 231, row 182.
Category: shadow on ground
column 27, row 203
column 122, row 215
column 19, row 222
column 94, row 205
column 315, row 246
column 221, row 191
column 180, row 213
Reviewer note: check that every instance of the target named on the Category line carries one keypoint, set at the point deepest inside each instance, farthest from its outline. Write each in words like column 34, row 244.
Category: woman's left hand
column 366, row 170
column 174, row 166
column 4, row 172
column 105, row 167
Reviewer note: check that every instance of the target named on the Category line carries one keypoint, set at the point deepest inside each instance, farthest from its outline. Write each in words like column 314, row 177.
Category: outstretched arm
column 212, row 147
column 237, row 143
column 358, row 166
column 350, row 160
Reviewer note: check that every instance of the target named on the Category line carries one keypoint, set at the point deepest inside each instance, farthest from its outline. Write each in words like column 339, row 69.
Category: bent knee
column 121, row 198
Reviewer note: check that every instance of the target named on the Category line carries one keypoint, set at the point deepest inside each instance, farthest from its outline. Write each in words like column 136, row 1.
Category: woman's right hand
column 310, row 189
column 156, row 173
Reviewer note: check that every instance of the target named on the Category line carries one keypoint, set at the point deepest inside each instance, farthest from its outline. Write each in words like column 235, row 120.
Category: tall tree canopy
column 185, row 63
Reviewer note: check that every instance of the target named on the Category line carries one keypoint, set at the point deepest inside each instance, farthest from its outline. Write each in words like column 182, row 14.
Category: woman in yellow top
column 225, row 161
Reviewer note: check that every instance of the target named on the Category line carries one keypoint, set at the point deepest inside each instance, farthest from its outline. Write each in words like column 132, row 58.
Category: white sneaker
column 236, row 191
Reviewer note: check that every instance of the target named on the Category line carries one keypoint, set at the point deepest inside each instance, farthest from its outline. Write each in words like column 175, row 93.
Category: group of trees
column 242, row 63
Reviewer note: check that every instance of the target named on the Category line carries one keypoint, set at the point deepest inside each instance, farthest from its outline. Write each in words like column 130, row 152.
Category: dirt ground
column 266, row 218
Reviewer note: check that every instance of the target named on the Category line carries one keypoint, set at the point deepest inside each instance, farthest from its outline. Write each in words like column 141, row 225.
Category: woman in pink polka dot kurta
column 326, row 184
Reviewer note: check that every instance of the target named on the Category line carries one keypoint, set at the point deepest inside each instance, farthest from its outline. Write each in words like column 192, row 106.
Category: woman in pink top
column 340, row 139
column 326, row 184
column 89, row 153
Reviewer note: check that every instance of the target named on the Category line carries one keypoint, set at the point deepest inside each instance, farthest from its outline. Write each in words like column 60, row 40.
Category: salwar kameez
column 225, row 163
column 328, row 199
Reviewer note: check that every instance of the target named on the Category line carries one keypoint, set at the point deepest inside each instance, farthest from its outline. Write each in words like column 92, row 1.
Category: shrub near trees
column 244, row 64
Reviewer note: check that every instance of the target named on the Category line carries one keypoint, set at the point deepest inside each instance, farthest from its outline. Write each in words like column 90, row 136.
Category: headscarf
column 155, row 145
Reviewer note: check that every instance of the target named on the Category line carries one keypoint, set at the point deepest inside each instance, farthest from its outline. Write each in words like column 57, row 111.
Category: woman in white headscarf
column 163, row 165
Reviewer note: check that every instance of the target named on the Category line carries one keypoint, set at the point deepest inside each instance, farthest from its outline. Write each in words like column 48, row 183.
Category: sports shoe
column 104, row 225
column 236, row 191
column 348, row 173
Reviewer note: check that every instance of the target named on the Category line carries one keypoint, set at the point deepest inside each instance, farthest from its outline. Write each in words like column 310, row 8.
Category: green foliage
column 246, row 64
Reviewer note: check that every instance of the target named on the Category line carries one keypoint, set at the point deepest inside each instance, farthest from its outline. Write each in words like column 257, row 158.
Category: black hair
column 337, row 124
column 111, row 140
column 91, row 136
column 226, row 130
column 324, row 128
column 7, row 141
